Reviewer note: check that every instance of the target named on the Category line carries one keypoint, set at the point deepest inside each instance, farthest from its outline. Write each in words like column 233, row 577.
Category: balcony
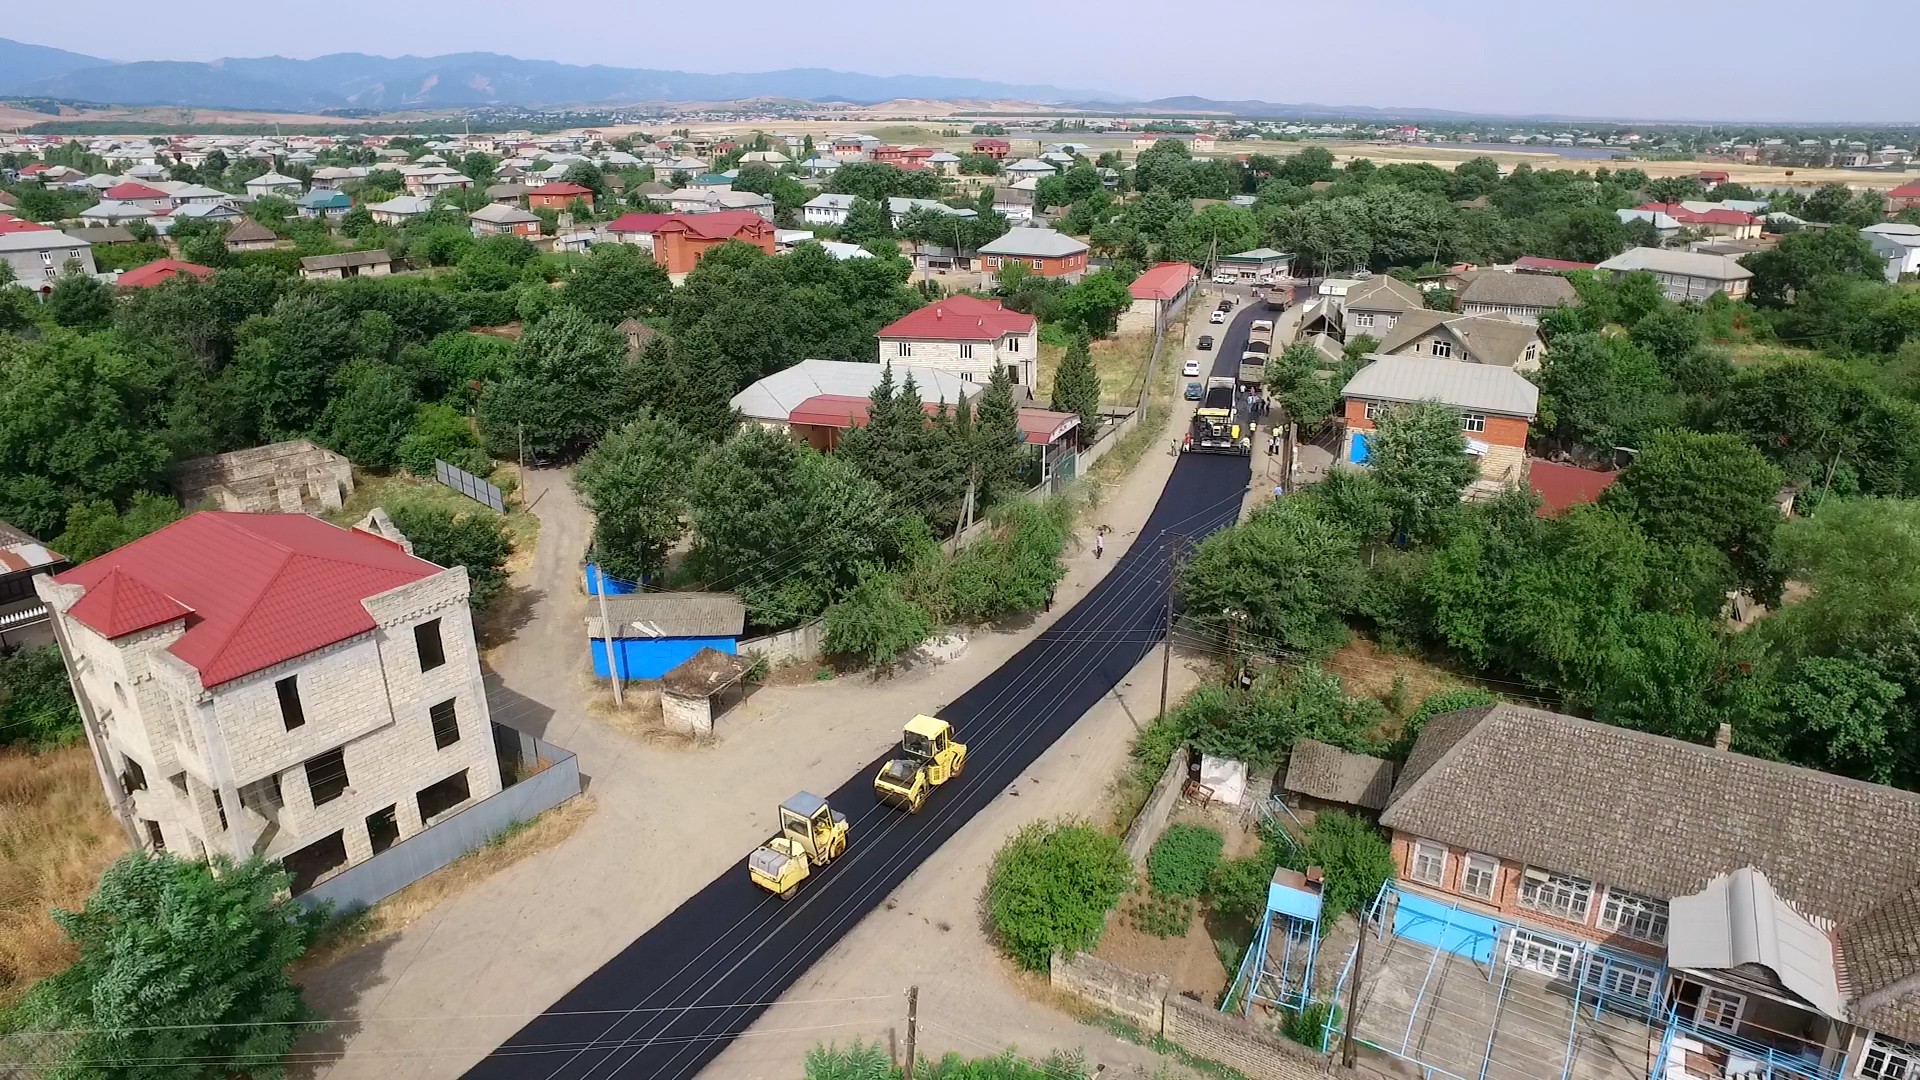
column 1695, row 1051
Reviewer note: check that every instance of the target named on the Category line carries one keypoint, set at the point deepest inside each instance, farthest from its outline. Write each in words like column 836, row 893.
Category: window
column 903, row 348
column 1363, row 320
column 1013, row 344
column 1473, row 421
column 1480, row 876
column 966, row 352
column 1542, row 954
column 1556, row 894
column 327, row 775
column 426, row 642
column 1533, row 352
column 1442, row 348
column 1373, row 410
column 1635, row 916
column 291, row 714
column 1429, row 863
column 993, row 262
column 132, row 776
column 1886, row 1059
column 446, row 725
column 438, row 798
column 1610, row 978
column 383, row 828
column 220, row 807
column 315, row 861
column 966, row 376
column 1721, row 1008
column 1039, row 264
column 154, row 836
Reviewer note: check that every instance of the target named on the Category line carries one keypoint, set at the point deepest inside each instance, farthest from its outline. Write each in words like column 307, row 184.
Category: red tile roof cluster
column 160, row 271
column 721, row 225
column 561, row 188
column 1536, row 262
column 132, row 192
column 1907, row 191
column 1163, row 282
column 255, row 589
column 959, row 318
column 11, row 224
column 1700, row 217
column 979, row 143
column 1563, row 487
column 638, row 223
column 1712, row 176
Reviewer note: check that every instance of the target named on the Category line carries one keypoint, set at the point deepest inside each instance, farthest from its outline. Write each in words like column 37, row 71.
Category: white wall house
column 966, row 336
column 826, row 209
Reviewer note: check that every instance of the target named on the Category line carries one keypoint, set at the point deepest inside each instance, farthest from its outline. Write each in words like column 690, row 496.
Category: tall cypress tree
column 997, row 449
column 1076, row 388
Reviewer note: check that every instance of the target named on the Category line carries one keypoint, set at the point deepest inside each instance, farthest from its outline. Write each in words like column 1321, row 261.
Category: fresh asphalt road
column 671, row 1000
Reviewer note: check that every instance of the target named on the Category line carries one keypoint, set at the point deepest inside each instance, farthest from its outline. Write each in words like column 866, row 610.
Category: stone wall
column 285, row 477
column 1153, row 816
column 686, row 715
column 1140, row 998
column 800, row 643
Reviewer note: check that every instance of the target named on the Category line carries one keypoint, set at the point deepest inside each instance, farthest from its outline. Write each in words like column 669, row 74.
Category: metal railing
column 1759, row 1060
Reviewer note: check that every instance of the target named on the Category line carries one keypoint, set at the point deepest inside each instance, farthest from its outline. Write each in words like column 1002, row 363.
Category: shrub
column 1355, row 858
column 1183, row 860
column 1239, row 886
column 476, row 539
column 1308, row 1027
column 439, row 431
column 1161, row 915
column 876, row 622
column 36, row 701
column 1051, row 888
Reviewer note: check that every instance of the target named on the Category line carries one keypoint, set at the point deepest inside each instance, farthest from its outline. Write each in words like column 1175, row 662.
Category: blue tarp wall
column 615, row 587
column 650, row 658
column 1445, row 927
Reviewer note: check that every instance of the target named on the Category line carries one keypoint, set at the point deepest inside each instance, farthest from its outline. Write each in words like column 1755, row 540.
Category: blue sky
column 1760, row 59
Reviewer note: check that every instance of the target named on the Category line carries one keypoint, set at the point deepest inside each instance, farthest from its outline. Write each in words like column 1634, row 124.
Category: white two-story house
column 967, row 336
column 270, row 684
column 827, row 209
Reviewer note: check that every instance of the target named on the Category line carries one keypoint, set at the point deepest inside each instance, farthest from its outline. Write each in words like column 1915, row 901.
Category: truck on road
column 1216, row 423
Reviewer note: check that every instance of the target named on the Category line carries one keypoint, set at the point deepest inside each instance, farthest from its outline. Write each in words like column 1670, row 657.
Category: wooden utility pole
column 1353, row 994
column 606, row 624
column 913, row 1023
column 1166, row 643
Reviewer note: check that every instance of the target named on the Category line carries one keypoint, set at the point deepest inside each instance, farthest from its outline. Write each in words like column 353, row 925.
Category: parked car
column 1191, row 368
column 1206, row 341
column 1226, row 303
column 1193, row 391
column 1218, row 316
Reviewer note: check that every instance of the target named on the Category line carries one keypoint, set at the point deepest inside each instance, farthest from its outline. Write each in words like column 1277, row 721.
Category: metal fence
column 434, row 847
column 471, row 486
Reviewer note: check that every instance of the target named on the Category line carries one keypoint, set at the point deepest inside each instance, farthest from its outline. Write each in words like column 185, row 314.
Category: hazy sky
column 1760, row 59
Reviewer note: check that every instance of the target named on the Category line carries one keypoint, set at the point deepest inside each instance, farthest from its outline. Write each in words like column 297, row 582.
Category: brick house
column 997, row 149
column 559, row 196
column 1765, row 918
column 271, row 684
column 967, row 336
column 636, row 229
column 503, row 219
column 1706, row 219
column 161, row 271
column 1050, row 254
column 1157, row 294
column 679, row 241
column 1496, row 405
column 1904, row 197
column 1683, row 275
column 139, row 195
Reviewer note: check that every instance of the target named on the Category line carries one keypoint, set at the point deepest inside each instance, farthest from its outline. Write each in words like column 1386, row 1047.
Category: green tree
column 179, row 961
column 95, row 528
column 1839, row 716
column 1419, row 454
column 373, row 411
column 1076, row 388
column 868, row 224
column 1093, row 306
column 876, row 622
column 37, row 709
column 476, row 539
column 1183, row 860
column 635, row 482
column 587, row 175
column 1355, row 858
column 441, row 433
column 1051, row 887
column 1286, row 574
column 1714, row 490
column 616, row 282
column 997, row 450
column 80, row 302
column 1802, row 258
column 1590, row 234
column 566, row 381
column 1601, row 392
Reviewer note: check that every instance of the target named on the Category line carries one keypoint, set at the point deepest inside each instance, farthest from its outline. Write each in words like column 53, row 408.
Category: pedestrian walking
column 1050, row 589
column 1099, row 541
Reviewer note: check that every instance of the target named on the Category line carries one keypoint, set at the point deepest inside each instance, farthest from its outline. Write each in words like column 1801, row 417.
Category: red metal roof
column 1563, row 487
column 160, row 271
column 841, row 411
column 1045, row 426
column 959, row 318
column 1536, row 262
column 721, row 225
column 256, row 589
column 1163, row 282
column 11, row 224
column 1907, row 191
column 637, row 223
column 130, row 192
column 561, row 188
column 1699, row 217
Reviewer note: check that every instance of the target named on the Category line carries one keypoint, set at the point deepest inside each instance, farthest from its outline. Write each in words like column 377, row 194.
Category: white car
column 1191, row 369
column 1218, row 316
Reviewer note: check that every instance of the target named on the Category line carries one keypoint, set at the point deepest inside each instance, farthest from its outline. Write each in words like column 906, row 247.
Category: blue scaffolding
column 1759, row 1061
column 1278, row 969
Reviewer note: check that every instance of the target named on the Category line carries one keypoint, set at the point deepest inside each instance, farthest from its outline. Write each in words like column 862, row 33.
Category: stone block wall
column 1153, row 816
column 284, row 477
column 1140, row 998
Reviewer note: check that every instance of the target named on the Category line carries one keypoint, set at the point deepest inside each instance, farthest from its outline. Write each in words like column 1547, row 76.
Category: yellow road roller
column 811, row 834
column 929, row 757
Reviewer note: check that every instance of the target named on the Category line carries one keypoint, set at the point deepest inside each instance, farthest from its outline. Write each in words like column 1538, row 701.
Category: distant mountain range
column 460, row 80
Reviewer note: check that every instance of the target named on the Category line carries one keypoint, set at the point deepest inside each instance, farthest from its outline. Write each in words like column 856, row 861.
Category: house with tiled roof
column 1904, row 197
column 1524, row 297
column 161, row 271
column 1047, row 253
column 1375, row 305
column 1759, row 919
column 1504, row 340
column 680, row 241
column 967, row 336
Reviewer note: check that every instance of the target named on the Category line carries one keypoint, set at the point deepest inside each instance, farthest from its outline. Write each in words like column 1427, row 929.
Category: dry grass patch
column 371, row 490
column 56, row 835
column 416, row 901
column 1120, row 361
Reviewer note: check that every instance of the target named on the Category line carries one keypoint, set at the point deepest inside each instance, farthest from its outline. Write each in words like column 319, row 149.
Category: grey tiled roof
column 1325, row 772
column 370, row 257
column 1522, row 290
column 646, row 614
column 1663, row 817
column 1385, row 293
column 1481, row 387
column 1492, row 339
column 1685, row 263
column 1044, row 243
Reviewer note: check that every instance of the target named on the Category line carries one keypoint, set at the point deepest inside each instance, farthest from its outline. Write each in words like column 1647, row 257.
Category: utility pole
column 913, row 1023
column 1166, row 643
column 1353, row 994
column 606, row 624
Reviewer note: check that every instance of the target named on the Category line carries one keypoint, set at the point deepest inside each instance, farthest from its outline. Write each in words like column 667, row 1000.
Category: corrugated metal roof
column 671, row 615
column 1482, row 387
column 775, row 397
column 1738, row 919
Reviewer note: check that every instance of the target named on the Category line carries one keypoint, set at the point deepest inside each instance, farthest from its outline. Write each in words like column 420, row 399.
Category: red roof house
column 679, row 241
column 1712, row 176
column 631, row 225
column 1563, row 487
column 1164, row 282
column 135, row 193
column 11, row 224
column 993, row 148
column 161, row 271
column 958, row 318
column 558, row 196
column 1904, row 197
column 252, row 590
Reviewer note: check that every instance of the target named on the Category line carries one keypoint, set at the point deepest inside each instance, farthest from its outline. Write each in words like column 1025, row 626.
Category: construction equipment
column 811, row 835
column 1216, row 423
column 929, row 757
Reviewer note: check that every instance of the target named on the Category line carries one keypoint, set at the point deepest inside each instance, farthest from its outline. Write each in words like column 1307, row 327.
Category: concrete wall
column 1153, row 816
column 292, row 477
column 800, row 643
column 416, row 857
column 1230, row 1040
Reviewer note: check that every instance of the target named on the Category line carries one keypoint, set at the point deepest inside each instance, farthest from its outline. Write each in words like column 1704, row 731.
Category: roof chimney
column 1723, row 739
